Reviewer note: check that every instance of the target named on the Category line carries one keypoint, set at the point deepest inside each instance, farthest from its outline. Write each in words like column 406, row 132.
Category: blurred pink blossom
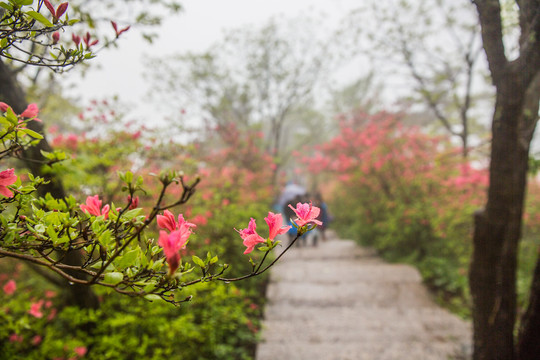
column 35, row 309
column 36, row 340
column 16, row 338
column 7, row 177
column 80, row 350
column 10, row 287
column 4, row 107
column 31, row 111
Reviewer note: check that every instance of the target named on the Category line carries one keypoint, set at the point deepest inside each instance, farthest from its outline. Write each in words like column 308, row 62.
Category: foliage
column 233, row 184
column 405, row 193
column 222, row 325
column 30, row 35
column 433, row 50
column 117, row 249
column 121, row 254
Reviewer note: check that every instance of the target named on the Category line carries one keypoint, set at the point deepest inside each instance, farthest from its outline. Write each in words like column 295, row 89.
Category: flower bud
column 61, row 9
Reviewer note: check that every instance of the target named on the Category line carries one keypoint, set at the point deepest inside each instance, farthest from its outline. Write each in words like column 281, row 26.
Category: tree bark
column 498, row 228
column 528, row 347
column 12, row 94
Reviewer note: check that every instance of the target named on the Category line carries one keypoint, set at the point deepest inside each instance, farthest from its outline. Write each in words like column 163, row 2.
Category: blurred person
column 324, row 215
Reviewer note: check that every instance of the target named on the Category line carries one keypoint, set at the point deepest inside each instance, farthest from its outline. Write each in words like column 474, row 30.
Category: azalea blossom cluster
column 306, row 215
column 31, row 111
column 174, row 240
column 251, row 238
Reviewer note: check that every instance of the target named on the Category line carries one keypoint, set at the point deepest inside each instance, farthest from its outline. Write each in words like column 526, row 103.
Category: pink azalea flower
column 35, row 309
column 31, row 111
column 133, row 203
column 250, row 236
column 275, row 223
column 15, row 338
column 36, row 340
column 4, row 107
column 52, row 314
column 307, row 213
column 80, row 350
column 167, row 221
column 93, row 207
column 200, row 219
column 10, row 287
column 7, row 177
column 172, row 243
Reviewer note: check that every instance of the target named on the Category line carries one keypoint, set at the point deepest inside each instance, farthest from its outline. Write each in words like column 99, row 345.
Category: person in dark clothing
column 324, row 216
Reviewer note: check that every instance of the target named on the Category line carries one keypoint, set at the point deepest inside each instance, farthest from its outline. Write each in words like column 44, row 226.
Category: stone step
column 339, row 301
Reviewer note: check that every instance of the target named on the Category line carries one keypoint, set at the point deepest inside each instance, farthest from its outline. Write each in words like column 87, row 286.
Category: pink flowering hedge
column 126, row 226
column 405, row 193
column 137, row 246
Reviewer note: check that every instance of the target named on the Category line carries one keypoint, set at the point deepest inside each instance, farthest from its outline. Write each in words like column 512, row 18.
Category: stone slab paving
column 339, row 301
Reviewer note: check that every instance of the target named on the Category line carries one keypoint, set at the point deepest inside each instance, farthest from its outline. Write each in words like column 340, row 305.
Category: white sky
column 201, row 23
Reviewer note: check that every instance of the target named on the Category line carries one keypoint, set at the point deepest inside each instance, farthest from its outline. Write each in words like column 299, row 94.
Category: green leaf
column 113, row 278
column 52, row 234
column 37, row 16
column 24, row 2
column 10, row 115
column 8, row 7
column 158, row 265
column 214, row 260
column 152, row 297
column 128, row 177
column 151, row 286
column 198, row 261
column 132, row 213
column 128, row 259
column 32, row 133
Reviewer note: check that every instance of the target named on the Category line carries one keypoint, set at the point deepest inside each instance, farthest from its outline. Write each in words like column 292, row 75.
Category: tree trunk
column 498, row 228
column 496, row 238
column 12, row 94
column 528, row 347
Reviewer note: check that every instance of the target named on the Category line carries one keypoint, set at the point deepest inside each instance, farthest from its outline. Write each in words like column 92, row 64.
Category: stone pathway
column 338, row 301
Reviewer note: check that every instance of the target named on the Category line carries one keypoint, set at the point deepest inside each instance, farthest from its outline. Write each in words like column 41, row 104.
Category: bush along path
column 339, row 301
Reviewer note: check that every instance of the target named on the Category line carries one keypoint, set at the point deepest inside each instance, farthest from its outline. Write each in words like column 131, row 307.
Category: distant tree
column 254, row 78
column 363, row 93
column 433, row 50
column 515, row 73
